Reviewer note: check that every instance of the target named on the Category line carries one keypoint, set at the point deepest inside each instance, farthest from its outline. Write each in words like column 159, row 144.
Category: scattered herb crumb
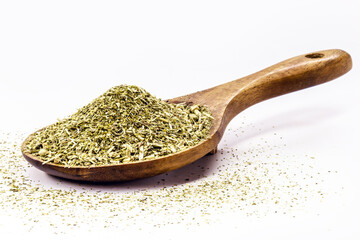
column 254, row 182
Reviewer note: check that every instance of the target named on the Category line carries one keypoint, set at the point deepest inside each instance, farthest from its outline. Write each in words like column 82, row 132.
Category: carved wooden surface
column 225, row 102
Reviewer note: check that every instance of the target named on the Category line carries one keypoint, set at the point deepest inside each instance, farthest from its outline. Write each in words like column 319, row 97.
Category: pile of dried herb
column 125, row 124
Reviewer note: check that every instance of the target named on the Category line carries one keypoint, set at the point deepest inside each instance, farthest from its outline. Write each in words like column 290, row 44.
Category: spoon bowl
column 225, row 102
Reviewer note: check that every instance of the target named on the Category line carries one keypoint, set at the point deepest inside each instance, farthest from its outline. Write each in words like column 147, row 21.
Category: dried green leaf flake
column 125, row 124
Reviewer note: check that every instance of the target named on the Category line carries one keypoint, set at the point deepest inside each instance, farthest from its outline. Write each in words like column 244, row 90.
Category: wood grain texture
column 225, row 102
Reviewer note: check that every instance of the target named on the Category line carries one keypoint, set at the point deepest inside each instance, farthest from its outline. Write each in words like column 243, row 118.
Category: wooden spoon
column 225, row 102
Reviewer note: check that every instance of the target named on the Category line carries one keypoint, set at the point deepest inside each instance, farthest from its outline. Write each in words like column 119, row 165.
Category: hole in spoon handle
column 315, row 55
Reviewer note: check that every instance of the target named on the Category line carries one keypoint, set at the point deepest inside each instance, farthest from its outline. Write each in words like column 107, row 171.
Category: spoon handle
column 288, row 76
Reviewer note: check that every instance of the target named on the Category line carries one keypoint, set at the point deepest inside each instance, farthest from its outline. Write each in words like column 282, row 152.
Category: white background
column 56, row 56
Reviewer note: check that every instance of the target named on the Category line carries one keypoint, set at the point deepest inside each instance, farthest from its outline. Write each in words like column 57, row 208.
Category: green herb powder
column 125, row 124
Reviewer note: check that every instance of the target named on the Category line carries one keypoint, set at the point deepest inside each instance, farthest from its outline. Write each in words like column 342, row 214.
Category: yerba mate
column 125, row 124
